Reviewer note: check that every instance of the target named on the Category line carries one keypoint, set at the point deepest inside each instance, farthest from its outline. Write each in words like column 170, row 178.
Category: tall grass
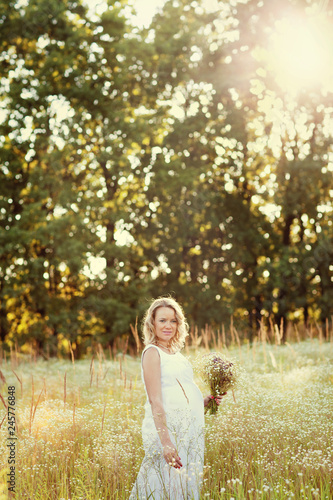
column 79, row 421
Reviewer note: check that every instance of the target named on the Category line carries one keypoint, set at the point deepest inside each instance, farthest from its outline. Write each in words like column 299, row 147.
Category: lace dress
column 184, row 409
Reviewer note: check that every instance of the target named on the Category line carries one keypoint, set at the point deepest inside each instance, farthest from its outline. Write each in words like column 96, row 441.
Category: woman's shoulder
column 158, row 349
column 148, row 348
column 150, row 356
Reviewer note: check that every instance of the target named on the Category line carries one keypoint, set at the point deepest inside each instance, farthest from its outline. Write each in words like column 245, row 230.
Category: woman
column 173, row 426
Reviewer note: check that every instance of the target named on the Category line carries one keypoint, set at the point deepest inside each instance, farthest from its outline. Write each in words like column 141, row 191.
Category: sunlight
column 301, row 53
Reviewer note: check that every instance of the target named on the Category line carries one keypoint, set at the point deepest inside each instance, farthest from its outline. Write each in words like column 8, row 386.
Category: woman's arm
column 151, row 365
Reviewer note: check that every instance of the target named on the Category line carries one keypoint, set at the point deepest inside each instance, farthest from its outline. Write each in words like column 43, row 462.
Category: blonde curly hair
column 148, row 326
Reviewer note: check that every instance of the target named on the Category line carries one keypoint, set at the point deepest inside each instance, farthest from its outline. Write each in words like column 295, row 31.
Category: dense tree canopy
column 137, row 162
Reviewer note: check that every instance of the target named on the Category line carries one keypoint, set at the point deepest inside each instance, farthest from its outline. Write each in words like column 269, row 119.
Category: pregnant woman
column 173, row 426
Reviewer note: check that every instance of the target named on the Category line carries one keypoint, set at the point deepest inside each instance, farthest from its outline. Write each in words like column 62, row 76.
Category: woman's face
column 165, row 324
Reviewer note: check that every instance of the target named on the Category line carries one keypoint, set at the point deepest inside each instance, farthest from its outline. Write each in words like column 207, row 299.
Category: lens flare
column 301, row 53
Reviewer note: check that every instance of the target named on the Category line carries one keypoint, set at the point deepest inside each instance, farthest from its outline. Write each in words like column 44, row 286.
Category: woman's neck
column 162, row 345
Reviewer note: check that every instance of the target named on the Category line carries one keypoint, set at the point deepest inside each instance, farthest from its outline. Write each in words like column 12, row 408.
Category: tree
column 139, row 162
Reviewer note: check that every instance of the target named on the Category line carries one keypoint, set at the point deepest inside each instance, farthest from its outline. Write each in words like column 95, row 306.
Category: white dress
column 184, row 409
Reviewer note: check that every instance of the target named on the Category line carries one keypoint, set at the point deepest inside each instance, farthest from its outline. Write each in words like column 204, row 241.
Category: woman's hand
column 218, row 399
column 171, row 455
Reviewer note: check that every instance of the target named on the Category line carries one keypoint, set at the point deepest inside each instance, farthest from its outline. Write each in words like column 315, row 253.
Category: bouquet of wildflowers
column 219, row 373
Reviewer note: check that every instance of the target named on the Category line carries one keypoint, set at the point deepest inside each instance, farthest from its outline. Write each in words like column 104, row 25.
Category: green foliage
column 154, row 153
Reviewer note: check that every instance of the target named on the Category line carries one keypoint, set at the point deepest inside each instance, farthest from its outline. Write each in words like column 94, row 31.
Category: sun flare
column 301, row 53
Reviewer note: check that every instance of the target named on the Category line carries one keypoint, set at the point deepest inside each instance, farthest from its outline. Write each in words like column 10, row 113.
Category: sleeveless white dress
column 184, row 409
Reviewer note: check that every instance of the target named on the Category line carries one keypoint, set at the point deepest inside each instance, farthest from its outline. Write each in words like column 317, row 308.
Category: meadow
column 79, row 424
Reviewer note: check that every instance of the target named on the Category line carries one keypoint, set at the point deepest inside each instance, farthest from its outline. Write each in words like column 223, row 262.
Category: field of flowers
column 79, row 426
